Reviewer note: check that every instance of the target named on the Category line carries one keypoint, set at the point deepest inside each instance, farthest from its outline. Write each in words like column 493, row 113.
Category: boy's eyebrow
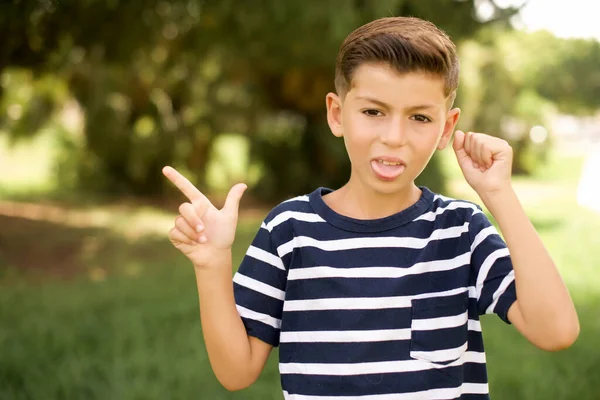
column 385, row 105
column 374, row 101
column 424, row 107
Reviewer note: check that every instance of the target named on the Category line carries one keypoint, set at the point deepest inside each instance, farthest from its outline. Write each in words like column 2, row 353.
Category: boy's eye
column 372, row 113
column 421, row 118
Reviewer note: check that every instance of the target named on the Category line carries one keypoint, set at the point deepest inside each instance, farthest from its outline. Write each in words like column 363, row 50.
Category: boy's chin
column 397, row 186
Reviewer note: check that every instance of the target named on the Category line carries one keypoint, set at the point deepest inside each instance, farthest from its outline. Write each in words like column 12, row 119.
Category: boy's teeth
column 388, row 162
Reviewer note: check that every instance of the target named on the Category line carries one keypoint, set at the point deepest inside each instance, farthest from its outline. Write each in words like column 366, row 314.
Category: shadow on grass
column 75, row 201
column 168, row 202
column 42, row 248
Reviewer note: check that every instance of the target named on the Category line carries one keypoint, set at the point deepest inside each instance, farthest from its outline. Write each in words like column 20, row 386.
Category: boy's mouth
column 387, row 168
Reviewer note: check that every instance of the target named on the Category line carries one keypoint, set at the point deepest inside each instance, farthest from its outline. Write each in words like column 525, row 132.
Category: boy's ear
column 334, row 114
column 450, row 124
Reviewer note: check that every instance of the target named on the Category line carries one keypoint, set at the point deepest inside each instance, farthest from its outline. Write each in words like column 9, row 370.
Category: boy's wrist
column 219, row 261
column 500, row 198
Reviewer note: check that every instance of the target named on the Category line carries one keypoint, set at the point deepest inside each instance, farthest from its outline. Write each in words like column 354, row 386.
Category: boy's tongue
column 387, row 171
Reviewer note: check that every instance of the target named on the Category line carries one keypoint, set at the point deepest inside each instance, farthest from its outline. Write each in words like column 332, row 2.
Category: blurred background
column 97, row 95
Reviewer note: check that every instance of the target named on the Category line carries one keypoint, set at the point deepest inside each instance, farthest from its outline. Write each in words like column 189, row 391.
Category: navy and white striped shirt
column 376, row 309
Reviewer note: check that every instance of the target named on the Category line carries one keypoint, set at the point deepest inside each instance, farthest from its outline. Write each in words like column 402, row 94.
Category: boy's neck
column 354, row 201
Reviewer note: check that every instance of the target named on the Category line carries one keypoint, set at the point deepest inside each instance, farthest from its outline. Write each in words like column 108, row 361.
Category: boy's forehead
column 384, row 84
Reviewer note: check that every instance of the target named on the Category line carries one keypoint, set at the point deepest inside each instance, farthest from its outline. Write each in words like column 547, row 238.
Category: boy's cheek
column 359, row 132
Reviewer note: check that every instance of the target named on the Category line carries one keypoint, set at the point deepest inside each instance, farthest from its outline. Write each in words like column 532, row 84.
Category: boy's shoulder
column 297, row 207
column 448, row 211
column 441, row 201
column 300, row 203
column 445, row 211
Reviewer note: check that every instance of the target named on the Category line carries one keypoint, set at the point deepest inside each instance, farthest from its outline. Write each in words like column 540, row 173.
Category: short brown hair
column 407, row 44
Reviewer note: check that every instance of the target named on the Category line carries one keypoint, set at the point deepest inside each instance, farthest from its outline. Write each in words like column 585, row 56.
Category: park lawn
column 127, row 327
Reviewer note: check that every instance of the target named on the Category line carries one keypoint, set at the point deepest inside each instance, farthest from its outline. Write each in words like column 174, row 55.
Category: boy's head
column 396, row 79
column 406, row 44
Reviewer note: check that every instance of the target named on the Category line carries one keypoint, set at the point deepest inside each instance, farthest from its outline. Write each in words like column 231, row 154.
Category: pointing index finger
column 183, row 184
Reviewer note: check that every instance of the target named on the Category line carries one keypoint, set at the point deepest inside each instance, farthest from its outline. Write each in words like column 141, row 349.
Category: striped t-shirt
column 376, row 309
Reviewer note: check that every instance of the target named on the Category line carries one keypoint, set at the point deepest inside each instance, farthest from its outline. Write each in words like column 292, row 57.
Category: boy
column 374, row 290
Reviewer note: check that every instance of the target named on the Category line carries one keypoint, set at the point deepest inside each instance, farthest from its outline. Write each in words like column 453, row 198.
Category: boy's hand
column 202, row 231
column 485, row 161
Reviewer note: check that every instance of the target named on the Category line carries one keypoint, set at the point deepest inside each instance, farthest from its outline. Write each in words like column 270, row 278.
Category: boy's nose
column 394, row 136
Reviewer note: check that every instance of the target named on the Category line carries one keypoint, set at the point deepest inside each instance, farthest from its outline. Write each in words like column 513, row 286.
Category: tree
column 159, row 80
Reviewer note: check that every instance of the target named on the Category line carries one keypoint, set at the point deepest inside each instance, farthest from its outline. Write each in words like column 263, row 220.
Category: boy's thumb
column 459, row 140
column 232, row 202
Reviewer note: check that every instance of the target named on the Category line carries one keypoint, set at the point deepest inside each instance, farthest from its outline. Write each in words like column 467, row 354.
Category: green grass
column 133, row 332
column 124, row 337
column 520, row 371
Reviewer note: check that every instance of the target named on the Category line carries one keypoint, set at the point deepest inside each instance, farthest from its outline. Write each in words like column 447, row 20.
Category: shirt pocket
column 439, row 328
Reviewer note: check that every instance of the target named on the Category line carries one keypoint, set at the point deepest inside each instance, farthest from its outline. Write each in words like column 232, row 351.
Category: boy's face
column 391, row 124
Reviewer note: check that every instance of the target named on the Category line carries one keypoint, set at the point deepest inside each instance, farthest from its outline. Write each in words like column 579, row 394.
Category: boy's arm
column 543, row 312
column 205, row 235
column 236, row 359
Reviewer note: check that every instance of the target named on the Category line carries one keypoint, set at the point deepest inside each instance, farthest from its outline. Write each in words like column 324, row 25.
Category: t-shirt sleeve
column 259, row 288
column 491, row 262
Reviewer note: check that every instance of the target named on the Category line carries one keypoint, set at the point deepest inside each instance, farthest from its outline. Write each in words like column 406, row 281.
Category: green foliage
column 563, row 71
column 573, row 79
column 28, row 103
column 159, row 80
column 509, row 86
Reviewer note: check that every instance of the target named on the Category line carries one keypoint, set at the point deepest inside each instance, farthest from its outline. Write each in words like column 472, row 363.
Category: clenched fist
column 485, row 161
